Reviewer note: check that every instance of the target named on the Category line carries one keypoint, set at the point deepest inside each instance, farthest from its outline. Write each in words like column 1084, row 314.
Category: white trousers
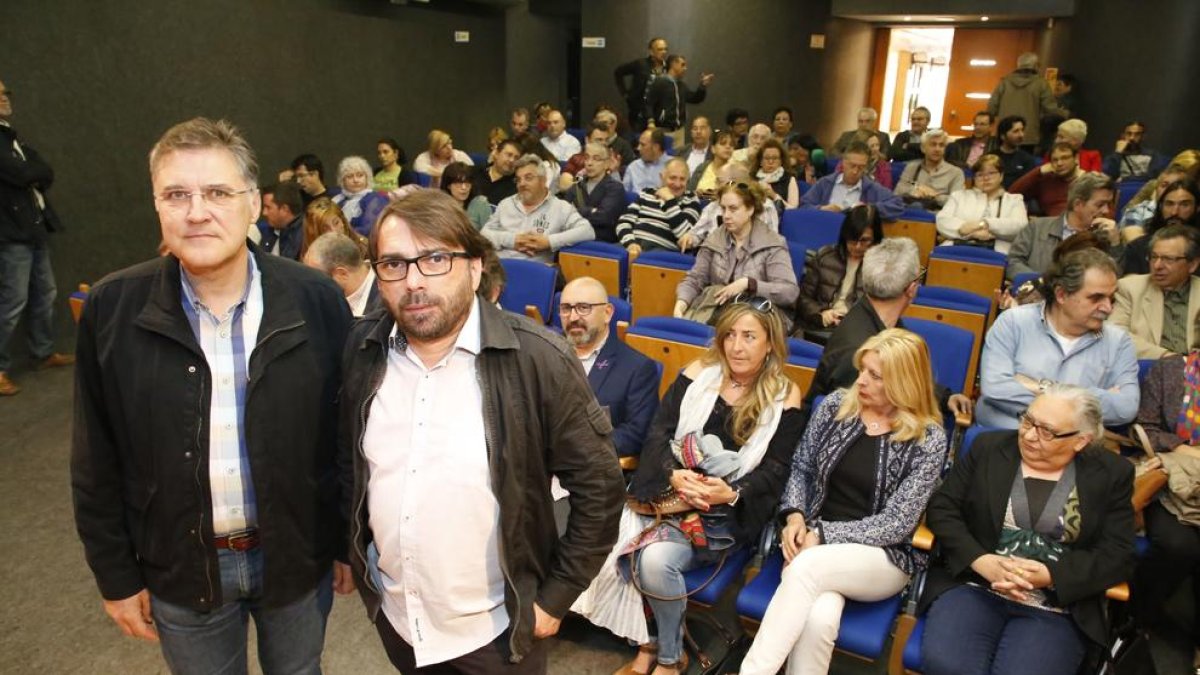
column 801, row 623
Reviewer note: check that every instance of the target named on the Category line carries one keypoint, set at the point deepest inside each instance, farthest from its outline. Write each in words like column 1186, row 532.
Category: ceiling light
column 908, row 18
column 979, row 95
column 983, row 63
column 985, row 18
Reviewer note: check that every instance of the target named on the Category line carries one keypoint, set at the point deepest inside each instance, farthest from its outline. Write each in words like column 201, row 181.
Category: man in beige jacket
column 1159, row 309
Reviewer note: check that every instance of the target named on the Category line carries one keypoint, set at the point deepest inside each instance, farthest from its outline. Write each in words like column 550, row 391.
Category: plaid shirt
column 224, row 341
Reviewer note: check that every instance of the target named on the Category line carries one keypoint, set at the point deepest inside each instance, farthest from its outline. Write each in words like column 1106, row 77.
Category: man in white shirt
column 759, row 133
column 341, row 259
column 459, row 413
column 700, row 151
column 561, row 144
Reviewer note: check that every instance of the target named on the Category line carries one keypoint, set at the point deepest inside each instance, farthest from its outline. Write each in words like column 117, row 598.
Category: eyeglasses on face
column 920, row 278
column 1169, row 259
column 1044, row 433
column 217, row 196
column 580, row 308
column 430, row 265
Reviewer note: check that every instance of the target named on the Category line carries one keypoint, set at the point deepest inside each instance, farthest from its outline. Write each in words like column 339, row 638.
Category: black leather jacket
column 22, row 221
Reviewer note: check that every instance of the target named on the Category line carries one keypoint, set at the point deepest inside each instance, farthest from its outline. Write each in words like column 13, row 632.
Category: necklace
column 872, row 426
column 735, row 384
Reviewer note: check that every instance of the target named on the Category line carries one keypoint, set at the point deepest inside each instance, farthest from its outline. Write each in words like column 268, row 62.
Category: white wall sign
column 462, row 36
column 593, row 43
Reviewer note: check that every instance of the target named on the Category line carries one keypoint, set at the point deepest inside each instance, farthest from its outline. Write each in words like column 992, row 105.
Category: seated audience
column 358, row 202
column 532, row 224
column 1137, row 214
column 741, row 256
column 1010, row 136
column 457, row 181
column 758, row 134
column 607, row 118
column 700, row 149
column 928, row 182
column 283, row 211
column 1131, row 158
column 800, row 159
column 556, row 139
column 1158, row 309
column 1176, row 206
column 530, row 145
column 660, row 217
column 340, row 258
column 625, row 382
column 1089, row 200
column 321, row 216
column 1169, row 414
column 1032, row 527
column 907, row 144
column 878, row 168
column 868, row 120
column 595, row 134
column 518, row 122
column 984, row 214
column 1062, row 339
column 847, row 188
column 868, row 461
column 704, row 179
column 737, row 404
column 731, row 172
column 440, row 153
column 772, row 173
column 965, row 151
column 646, row 171
column 541, row 121
column 596, row 194
column 737, row 121
column 1048, row 184
column 1073, row 132
column 309, row 173
column 1030, row 290
column 495, row 136
column 832, row 282
column 495, row 182
column 392, row 172
column 781, row 124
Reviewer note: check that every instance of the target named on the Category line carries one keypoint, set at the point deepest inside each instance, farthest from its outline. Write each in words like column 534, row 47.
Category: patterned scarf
column 1188, row 425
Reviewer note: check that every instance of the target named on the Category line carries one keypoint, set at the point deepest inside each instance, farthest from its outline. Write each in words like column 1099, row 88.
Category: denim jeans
column 290, row 638
column 26, row 287
column 971, row 631
column 660, row 571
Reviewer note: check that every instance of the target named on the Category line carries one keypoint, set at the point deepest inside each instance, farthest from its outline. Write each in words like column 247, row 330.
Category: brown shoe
column 679, row 666
column 628, row 669
column 7, row 386
column 56, row 360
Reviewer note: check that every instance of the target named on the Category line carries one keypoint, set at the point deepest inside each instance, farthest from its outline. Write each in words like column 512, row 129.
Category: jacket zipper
column 200, row 489
column 372, row 390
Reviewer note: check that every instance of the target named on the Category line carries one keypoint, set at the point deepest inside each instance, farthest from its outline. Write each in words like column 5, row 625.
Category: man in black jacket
column 203, row 461
column 26, row 221
column 666, row 103
column 457, row 414
column 641, row 73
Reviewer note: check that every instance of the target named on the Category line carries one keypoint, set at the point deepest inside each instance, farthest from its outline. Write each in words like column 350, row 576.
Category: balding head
column 585, row 313
column 759, row 133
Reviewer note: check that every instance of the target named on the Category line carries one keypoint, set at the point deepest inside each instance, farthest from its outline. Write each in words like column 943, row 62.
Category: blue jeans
column 26, row 287
column 660, row 571
column 971, row 631
column 290, row 638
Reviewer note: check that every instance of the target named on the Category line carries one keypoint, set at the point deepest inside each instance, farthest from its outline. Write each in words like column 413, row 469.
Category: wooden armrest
column 532, row 312
column 923, row 538
column 1120, row 592
column 964, row 420
column 622, row 329
column 629, row 463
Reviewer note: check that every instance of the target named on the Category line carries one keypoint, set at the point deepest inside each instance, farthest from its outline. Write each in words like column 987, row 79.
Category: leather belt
column 242, row 540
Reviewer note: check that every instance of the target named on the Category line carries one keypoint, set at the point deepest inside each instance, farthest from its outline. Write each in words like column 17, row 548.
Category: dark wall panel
column 98, row 82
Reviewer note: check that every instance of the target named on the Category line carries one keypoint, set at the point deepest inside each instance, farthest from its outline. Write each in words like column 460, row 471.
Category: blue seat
column 797, row 251
column 950, row 350
column 529, row 283
column 804, row 187
column 1021, row 278
column 622, row 311
column 972, row 254
column 579, row 134
column 953, row 298
column 921, row 215
column 913, row 659
column 423, row 179
column 1144, row 368
column 671, row 328
column 480, row 158
column 811, row 228
column 730, row 572
column 1126, row 190
column 602, row 249
column 803, row 349
column 630, row 197
column 670, row 259
column 669, row 144
column 897, row 169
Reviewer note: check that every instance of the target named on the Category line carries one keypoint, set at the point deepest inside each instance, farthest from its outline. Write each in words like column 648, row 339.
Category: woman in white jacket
column 984, row 214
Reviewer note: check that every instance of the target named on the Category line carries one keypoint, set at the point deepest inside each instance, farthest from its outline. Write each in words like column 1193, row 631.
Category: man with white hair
column 1073, row 132
column 868, row 120
column 928, row 182
column 532, row 223
column 758, row 134
column 1026, row 93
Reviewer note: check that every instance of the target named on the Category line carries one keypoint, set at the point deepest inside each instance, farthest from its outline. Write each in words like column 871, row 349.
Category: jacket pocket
column 599, row 419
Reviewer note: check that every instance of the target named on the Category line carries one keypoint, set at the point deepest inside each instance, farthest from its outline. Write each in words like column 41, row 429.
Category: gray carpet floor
column 52, row 621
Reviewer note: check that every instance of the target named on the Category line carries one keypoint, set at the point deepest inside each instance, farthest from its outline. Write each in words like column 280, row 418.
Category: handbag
column 705, row 306
column 1127, row 653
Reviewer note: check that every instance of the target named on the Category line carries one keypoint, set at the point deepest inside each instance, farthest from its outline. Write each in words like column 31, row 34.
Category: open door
column 979, row 58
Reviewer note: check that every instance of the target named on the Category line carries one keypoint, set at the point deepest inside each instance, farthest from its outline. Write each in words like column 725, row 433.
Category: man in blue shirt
column 850, row 187
column 646, row 172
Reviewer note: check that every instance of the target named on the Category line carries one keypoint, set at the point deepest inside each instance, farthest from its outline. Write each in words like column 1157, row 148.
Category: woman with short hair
column 457, row 182
column 985, row 214
column 440, row 153
column 359, row 203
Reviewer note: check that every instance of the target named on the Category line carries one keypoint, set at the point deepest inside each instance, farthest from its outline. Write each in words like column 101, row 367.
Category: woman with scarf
column 771, row 171
column 359, row 203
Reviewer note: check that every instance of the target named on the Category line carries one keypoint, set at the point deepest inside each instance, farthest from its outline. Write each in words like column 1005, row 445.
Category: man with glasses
column 849, row 187
column 625, row 382
column 1062, row 340
column 1159, row 309
column 868, row 120
column 203, row 465
column 907, row 145
column 456, row 414
column 309, row 174
column 26, row 221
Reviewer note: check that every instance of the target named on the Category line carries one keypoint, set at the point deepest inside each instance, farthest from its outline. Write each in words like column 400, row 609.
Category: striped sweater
column 654, row 224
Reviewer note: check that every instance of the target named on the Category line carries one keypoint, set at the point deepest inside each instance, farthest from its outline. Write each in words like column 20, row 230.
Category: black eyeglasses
column 431, row 265
column 1044, row 432
column 1169, row 259
column 738, row 184
column 580, row 308
column 920, row 278
column 755, row 302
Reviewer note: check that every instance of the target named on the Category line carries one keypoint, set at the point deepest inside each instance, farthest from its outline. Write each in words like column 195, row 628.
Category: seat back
column 954, row 307
column 950, row 349
column 630, row 197
column 672, row 342
column 653, row 278
column 77, row 299
column 978, row 270
column 923, row 233
column 918, row 214
column 1126, row 190
column 605, row 262
column 798, row 254
column 529, row 284
column 423, row 179
column 811, row 228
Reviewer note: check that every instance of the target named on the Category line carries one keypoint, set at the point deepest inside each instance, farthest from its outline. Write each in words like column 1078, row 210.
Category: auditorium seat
column 923, row 233
column 672, row 342
column 811, row 228
column 605, row 262
column 529, row 285
column 978, row 270
column 653, row 278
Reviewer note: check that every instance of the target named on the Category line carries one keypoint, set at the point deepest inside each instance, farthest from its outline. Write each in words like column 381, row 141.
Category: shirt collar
column 841, row 180
column 189, row 293
column 595, row 352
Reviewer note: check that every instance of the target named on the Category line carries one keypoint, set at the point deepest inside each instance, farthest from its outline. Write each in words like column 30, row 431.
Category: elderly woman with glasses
column 1032, row 526
column 741, row 256
column 983, row 215
column 358, row 202
column 860, row 478
column 833, row 275
column 713, row 463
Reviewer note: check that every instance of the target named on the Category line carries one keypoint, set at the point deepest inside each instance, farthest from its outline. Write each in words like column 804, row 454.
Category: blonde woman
column 322, row 216
column 737, row 397
column 441, row 153
column 869, row 460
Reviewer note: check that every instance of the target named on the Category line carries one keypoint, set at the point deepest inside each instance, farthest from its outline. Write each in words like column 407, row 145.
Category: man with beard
column 1010, row 135
column 1048, row 184
column 1158, row 309
column 457, row 414
column 496, row 182
column 1132, row 158
column 1090, row 200
column 1176, row 206
column 1062, row 340
column 533, row 224
column 625, row 382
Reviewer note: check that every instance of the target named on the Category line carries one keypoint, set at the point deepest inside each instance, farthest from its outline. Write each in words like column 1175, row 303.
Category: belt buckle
column 243, row 540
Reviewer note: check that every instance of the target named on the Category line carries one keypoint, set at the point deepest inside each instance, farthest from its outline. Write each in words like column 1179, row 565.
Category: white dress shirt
column 358, row 299
column 562, row 147
column 434, row 515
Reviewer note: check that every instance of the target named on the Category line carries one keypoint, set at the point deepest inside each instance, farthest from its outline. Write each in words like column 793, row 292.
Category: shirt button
column 224, row 334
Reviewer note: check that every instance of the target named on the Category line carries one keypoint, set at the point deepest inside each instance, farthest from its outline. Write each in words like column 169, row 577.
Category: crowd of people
column 462, row 468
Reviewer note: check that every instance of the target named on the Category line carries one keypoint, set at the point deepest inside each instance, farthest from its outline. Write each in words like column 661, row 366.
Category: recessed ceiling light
column 983, row 63
column 908, row 18
column 979, row 96
column 985, row 18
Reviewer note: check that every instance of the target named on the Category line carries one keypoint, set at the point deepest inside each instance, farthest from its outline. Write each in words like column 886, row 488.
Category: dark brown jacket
column 823, row 273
